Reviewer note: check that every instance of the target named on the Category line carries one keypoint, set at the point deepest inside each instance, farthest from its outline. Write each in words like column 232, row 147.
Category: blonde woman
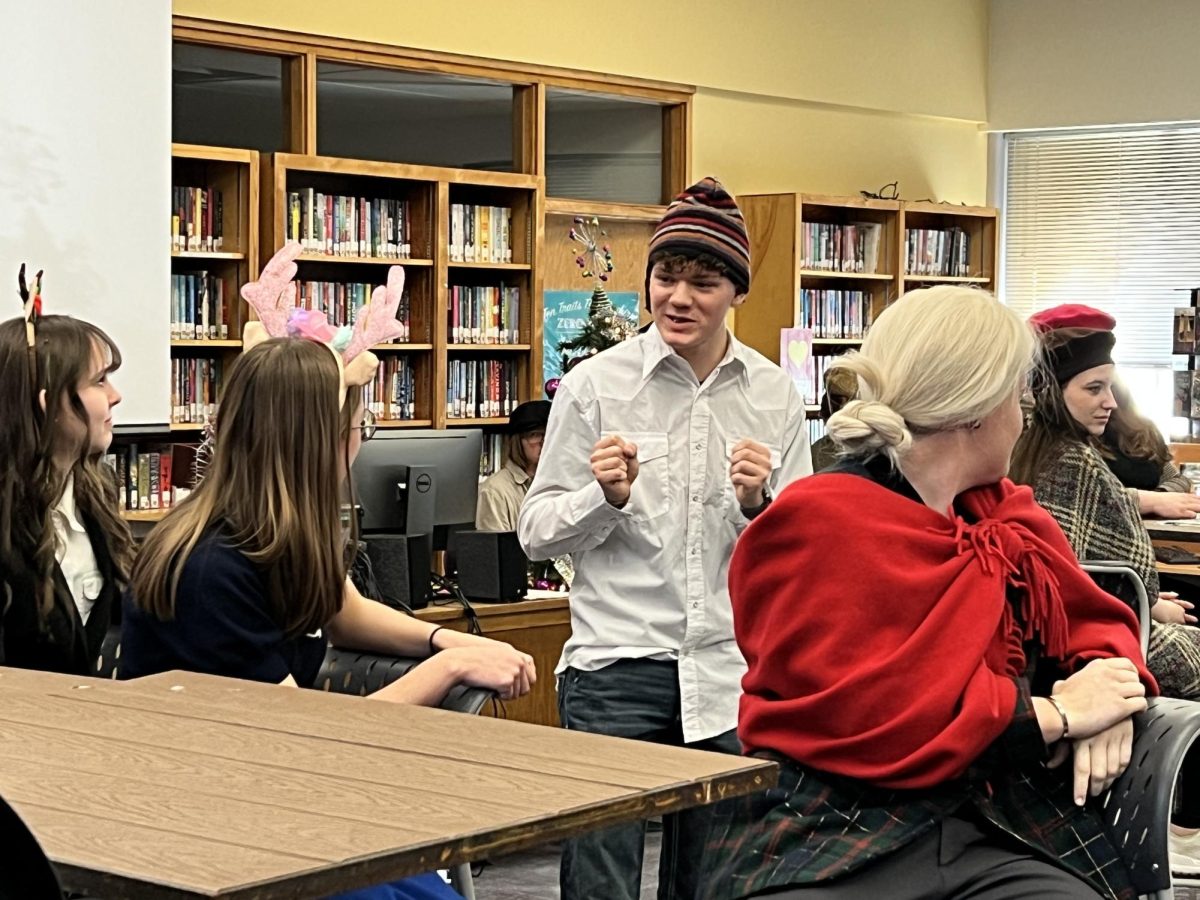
column 921, row 643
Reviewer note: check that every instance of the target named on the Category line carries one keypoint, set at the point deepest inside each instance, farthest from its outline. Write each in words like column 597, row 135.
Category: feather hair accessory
column 31, row 303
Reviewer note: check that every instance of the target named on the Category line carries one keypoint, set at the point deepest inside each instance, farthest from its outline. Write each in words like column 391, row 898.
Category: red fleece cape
column 880, row 642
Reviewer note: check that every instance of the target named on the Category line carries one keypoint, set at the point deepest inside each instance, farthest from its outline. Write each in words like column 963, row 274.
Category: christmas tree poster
column 565, row 317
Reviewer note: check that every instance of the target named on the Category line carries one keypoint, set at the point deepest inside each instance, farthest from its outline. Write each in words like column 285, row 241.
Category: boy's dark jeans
column 639, row 699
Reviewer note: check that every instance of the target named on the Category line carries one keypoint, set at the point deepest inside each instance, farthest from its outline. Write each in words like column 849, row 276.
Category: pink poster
column 795, row 356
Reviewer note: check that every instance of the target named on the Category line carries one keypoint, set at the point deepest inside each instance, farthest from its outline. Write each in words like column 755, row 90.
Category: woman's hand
column 1168, row 504
column 493, row 665
column 1170, row 610
column 1100, row 695
column 1099, row 759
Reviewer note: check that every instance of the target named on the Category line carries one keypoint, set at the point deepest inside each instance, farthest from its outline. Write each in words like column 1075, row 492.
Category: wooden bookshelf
column 782, row 266
column 979, row 223
column 234, row 174
column 429, row 192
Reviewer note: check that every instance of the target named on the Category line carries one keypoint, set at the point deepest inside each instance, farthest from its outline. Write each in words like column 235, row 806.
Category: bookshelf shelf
column 623, row 212
column 205, row 254
column 177, row 342
column 837, row 342
column 144, row 515
column 477, row 423
column 948, row 279
column 846, row 276
column 363, row 260
column 403, row 423
column 503, row 267
column 401, row 348
column 488, row 348
column 187, row 426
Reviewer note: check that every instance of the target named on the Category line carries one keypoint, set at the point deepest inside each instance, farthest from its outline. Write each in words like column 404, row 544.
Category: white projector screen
column 85, row 177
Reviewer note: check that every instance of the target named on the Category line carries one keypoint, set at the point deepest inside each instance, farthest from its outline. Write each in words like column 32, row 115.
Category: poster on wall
column 796, row 358
column 565, row 313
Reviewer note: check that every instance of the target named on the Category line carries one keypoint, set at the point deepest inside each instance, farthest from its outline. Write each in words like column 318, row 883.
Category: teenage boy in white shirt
column 657, row 454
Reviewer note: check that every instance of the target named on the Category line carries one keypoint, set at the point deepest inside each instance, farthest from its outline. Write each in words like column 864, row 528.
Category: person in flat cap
column 500, row 497
column 658, row 453
column 1059, row 456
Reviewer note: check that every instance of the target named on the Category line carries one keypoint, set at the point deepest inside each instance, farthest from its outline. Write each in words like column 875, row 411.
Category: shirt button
column 695, row 606
column 695, row 498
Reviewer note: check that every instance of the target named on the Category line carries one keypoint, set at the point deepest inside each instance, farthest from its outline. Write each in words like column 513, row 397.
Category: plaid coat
column 815, row 826
column 1101, row 520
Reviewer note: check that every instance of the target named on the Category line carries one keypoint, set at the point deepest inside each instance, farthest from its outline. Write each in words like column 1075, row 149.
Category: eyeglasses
column 368, row 425
column 534, row 436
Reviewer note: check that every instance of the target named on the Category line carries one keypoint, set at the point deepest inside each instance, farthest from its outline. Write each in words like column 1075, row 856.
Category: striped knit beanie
column 705, row 219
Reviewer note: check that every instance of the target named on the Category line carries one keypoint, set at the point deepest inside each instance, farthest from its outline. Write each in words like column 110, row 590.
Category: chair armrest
column 1137, row 808
column 1142, row 599
column 350, row 672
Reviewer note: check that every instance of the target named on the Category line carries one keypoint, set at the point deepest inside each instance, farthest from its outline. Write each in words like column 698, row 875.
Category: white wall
column 85, row 91
column 1061, row 63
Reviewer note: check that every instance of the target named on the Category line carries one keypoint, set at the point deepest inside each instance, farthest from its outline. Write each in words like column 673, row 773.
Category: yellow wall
column 792, row 94
column 1092, row 62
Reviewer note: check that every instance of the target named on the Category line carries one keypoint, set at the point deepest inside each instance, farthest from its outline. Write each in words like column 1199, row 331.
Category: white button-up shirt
column 651, row 577
column 74, row 553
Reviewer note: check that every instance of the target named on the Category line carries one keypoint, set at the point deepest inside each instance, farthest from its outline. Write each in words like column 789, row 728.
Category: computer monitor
column 419, row 482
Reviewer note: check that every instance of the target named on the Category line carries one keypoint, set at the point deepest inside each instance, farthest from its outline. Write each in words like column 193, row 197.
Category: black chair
column 348, row 672
column 1137, row 808
column 25, row 872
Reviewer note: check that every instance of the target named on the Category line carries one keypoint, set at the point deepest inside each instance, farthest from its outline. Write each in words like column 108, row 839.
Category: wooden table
column 1177, row 534
column 538, row 627
column 183, row 785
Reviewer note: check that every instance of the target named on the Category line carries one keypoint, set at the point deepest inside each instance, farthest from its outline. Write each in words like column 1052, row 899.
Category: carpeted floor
column 533, row 875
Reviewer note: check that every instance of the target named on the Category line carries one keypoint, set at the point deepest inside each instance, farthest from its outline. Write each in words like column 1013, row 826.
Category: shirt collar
column 519, row 475
column 66, row 506
column 655, row 350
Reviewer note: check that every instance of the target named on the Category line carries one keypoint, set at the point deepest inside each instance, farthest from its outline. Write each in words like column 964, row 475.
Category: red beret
column 1072, row 315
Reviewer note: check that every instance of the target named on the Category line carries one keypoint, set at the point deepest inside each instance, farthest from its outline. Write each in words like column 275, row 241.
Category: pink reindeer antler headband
column 278, row 317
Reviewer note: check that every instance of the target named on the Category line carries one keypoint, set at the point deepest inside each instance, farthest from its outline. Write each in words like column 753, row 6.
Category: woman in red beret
column 1059, row 455
column 924, row 653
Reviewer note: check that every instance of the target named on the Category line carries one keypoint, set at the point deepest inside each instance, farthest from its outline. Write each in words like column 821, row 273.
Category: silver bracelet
column 1063, row 713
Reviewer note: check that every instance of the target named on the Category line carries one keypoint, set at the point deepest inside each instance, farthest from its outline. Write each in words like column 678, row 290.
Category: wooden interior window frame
column 302, row 52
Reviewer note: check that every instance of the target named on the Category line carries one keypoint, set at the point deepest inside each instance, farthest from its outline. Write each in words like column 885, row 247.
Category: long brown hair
column 1131, row 433
column 272, row 488
column 33, row 433
column 1049, row 424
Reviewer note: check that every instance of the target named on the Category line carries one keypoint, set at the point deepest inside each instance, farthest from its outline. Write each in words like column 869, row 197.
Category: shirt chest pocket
column 652, row 488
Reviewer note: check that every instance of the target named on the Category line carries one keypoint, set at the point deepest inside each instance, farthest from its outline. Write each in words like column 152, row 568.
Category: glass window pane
column 600, row 147
column 413, row 117
column 227, row 98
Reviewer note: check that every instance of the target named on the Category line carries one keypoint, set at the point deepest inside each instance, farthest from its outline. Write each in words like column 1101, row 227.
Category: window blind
column 1110, row 219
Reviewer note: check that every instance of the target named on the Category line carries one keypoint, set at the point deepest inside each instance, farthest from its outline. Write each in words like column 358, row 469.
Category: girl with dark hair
column 64, row 551
column 1134, row 450
column 1059, row 456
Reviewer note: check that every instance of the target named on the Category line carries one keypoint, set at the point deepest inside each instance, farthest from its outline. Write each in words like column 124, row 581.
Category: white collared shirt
column 651, row 578
column 74, row 553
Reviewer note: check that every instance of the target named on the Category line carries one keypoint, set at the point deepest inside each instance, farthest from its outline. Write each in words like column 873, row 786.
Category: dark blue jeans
column 639, row 699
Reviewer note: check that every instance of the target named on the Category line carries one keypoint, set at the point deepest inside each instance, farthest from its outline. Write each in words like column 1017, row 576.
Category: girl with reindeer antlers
column 248, row 576
column 64, row 551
